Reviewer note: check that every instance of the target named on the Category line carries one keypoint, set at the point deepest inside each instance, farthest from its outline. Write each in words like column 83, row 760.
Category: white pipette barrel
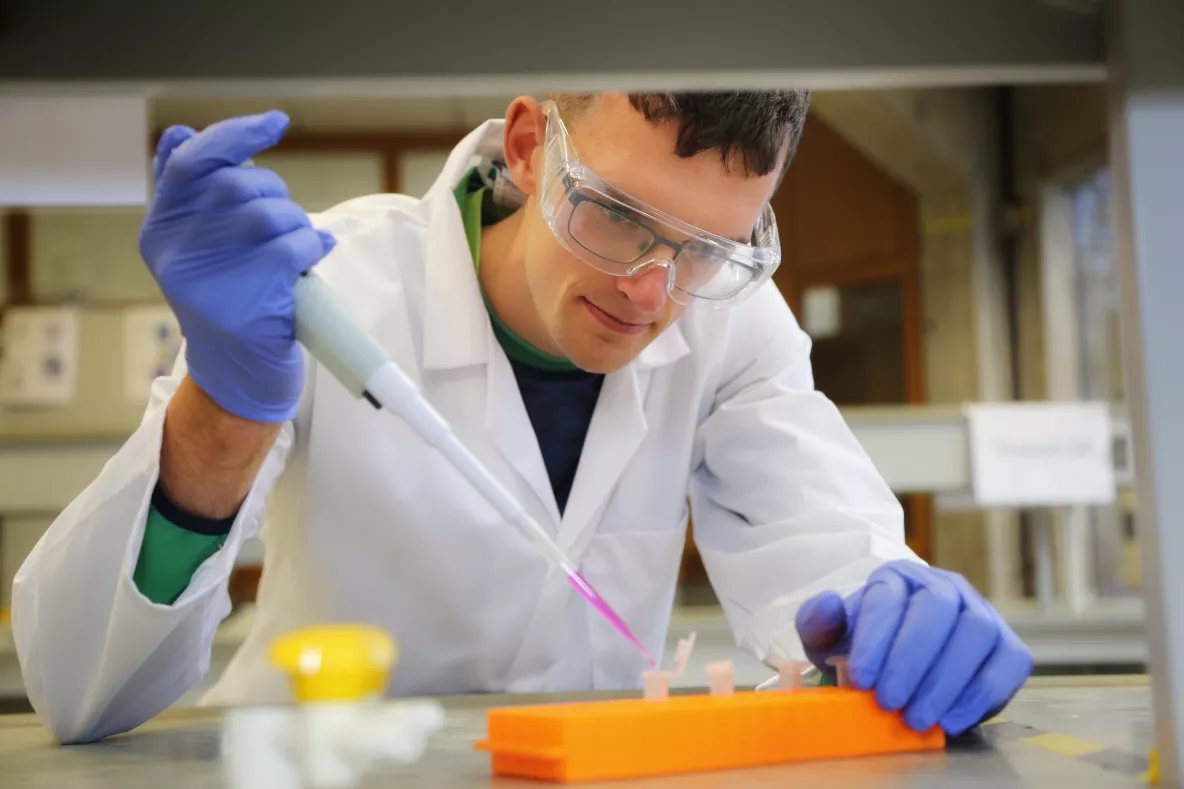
column 354, row 357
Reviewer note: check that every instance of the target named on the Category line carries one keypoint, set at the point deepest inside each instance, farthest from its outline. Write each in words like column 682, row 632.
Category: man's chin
column 606, row 357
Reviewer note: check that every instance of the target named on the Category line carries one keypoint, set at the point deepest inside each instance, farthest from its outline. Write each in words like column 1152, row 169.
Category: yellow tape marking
column 1063, row 744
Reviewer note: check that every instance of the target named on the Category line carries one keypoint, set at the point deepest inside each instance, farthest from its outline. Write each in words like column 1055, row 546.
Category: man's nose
column 649, row 286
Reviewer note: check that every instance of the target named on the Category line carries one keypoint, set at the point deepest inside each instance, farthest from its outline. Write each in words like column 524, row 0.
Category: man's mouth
column 613, row 322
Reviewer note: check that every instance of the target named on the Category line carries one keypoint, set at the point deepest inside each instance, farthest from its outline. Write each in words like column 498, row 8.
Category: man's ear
column 524, row 138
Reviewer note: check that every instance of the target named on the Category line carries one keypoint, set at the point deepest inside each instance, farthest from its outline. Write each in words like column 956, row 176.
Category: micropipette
column 366, row 370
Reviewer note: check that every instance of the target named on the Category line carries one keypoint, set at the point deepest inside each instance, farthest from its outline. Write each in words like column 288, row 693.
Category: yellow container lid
column 340, row 662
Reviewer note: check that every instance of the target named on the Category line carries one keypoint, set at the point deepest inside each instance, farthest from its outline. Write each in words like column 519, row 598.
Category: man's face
column 602, row 322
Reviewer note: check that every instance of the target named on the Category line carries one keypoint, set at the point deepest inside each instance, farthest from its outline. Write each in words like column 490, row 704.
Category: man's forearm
column 209, row 458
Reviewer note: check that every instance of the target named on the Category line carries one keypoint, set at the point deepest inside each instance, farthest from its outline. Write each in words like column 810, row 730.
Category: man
column 589, row 307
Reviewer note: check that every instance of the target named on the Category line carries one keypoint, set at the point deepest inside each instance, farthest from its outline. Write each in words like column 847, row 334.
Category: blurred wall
column 942, row 143
column 1061, row 137
column 1060, row 134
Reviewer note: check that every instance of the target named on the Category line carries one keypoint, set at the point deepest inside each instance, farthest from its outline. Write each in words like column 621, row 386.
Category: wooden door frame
column 870, row 273
column 18, row 277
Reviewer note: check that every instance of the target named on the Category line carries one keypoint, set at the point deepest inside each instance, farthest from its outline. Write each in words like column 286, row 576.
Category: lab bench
column 1091, row 733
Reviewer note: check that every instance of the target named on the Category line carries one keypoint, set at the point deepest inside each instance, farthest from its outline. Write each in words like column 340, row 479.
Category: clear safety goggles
column 622, row 236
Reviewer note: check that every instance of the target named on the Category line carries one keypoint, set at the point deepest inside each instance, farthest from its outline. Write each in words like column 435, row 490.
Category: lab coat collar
column 456, row 326
column 667, row 348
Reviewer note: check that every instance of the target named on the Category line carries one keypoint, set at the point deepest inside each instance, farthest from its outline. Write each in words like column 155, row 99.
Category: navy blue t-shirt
column 560, row 404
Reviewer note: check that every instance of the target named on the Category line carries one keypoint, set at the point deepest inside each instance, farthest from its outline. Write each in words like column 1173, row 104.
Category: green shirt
column 169, row 556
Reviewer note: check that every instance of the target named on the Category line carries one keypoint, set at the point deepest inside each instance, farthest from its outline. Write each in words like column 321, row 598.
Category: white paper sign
column 1041, row 454
column 40, row 362
column 151, row 340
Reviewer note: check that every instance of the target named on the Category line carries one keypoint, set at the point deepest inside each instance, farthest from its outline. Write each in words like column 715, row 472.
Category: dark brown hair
column 748, row 128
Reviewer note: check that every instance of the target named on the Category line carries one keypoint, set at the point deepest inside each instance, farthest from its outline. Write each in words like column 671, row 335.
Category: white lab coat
column 365, row 523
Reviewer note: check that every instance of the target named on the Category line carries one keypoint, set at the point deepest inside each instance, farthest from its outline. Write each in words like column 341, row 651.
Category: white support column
column 1146, row 67
column 1046, row 589
column 1001, row 526
column 1062, row 376
column 1075, row 558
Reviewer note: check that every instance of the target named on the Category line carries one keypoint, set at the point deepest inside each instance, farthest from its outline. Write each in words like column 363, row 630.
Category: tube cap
column 344, row 662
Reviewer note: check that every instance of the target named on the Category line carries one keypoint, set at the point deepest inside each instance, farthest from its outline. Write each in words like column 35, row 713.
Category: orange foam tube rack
column 633, row 738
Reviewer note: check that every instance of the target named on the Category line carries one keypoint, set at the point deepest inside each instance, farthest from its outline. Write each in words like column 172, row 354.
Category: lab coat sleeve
column 785, row 501
column 97, row 657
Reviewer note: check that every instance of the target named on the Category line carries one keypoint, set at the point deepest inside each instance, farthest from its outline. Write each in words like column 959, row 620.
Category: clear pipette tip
column 600, row 604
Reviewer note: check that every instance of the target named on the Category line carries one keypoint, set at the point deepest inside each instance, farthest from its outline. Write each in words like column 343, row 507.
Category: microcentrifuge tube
column 721, row 678
column 839, row 664
column 789, row 673
column 656, row 681
column 655, row 685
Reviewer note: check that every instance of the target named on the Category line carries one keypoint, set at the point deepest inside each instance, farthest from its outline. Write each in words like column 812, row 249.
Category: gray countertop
column 1090, row 734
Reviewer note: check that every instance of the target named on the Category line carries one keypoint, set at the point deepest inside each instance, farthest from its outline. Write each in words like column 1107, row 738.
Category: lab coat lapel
column 455, row 326
column 617, row 430
column 509, row 427
column 618, row 427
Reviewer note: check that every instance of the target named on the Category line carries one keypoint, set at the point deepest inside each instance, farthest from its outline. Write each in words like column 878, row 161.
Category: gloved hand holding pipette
column 226, row 244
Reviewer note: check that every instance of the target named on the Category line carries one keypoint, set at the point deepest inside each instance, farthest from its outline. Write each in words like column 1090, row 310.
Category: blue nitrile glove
column 924, row 640
column 226, row 246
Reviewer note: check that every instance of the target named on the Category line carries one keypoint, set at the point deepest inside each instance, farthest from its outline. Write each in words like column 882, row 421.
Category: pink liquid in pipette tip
column 600, row 604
